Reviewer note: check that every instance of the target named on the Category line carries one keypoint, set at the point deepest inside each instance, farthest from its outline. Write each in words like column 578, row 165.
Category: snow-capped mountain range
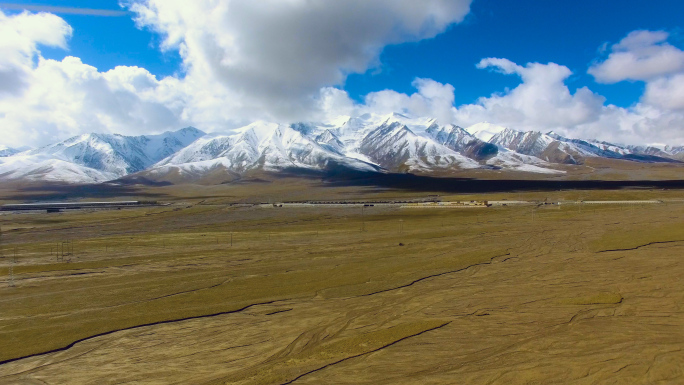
column 93, row 158
column 380, row 143
column 9, row 151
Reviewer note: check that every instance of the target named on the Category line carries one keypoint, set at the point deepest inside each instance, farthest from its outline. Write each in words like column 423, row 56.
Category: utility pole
column 69, row 250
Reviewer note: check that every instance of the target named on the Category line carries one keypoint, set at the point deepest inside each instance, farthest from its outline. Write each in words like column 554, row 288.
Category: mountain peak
column 190, row 130
column 6, row 151
column 485, row 130
column 392, row 142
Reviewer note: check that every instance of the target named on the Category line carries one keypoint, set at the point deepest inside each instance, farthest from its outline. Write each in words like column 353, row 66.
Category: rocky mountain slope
column 384, row 143
column 9, row 151
column 93, row 158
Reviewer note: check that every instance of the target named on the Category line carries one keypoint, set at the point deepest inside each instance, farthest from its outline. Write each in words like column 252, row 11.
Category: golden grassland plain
column 199, row 291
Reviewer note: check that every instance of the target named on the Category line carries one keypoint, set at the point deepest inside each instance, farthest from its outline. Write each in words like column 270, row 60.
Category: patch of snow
column 46, row 168
column 484, row 130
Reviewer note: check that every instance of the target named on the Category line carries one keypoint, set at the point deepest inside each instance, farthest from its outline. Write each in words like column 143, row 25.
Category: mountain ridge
column 370, row 142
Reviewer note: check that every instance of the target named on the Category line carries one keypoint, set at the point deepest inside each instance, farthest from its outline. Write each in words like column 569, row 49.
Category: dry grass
column 625, row 239
column 326, row 295
column 594, row 299
column 157, row 277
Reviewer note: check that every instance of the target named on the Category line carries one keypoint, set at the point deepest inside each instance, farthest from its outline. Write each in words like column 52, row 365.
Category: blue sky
column 106, row 42
column 565, row 32
column 298, row 60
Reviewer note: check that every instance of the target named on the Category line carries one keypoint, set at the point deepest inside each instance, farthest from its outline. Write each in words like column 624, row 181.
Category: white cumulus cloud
column 666, row 92
column 67, row 97
column 287, row 60
column 20, row 36
column 647, row 56
column 242, row 61
column 641, row 55
column 269, row 59
column 541, row 102
column 42, row 100
column 433, row 99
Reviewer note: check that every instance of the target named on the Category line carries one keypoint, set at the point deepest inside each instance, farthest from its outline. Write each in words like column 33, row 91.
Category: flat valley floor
column 202, row 292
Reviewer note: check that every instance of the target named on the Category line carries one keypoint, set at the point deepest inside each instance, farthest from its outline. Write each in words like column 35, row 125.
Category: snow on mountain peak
column 96, row 157
column 260, row 127
column 373, row 142
column 338, row 121
column 484, row 130
column 9, row 151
